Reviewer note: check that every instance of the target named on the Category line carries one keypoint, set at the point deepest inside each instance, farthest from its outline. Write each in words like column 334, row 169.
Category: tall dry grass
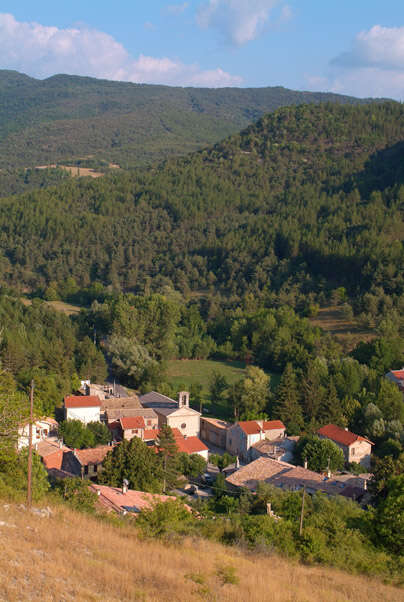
column 71, row 556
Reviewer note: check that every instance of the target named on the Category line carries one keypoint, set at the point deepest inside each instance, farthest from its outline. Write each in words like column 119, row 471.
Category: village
column 258, row 451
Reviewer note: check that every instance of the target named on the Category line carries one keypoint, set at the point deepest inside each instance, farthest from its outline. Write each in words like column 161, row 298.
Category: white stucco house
column 41, row 429
column 85, row 408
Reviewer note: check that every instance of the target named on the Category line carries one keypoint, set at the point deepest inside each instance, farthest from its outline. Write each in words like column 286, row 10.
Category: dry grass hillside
column 71, row 556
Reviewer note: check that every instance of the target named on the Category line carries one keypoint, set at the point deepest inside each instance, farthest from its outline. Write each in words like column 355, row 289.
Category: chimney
column 329, row 473
column 365, row 485
column 98, row 492
column 269, row 508
column 346, row 428
column 125, row 484
column 305, row 464
column 60, row 443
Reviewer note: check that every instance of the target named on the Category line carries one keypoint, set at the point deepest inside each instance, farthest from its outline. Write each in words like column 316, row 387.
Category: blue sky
column 353, row 47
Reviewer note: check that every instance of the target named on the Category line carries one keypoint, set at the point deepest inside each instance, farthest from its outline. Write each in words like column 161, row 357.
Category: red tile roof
column 82, row 401
column 273, row 424
column 54, row 460
column 131, row 501
column 250, row 427
column 399, row 374
column 132, row 422
column 150, row 434
column 93, row 455
column 340, row 435
column 190, row 445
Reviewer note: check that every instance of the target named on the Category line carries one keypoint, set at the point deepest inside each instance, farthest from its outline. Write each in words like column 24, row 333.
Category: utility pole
column 302, row 512
column 31, row 414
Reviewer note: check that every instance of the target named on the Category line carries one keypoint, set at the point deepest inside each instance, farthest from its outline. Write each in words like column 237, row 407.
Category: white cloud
column 240, row 21
column 177, row 9
column 380, row 47
column 374, row 66
column 42, row 51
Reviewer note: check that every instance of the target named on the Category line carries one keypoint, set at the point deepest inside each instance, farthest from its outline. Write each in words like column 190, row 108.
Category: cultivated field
column 71, row 556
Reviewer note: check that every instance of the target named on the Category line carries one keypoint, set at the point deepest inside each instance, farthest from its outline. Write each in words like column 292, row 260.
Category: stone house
column 240, row 437
column 214, row 431
column 355, row 448
column 281, row 449
column 85, row 463
column 132, row 426
column 292, row 478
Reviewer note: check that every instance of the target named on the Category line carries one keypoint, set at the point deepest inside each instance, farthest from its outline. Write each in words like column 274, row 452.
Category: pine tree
column 287, row 406
column 331, row 408
column 168, row 452
column 313, row 393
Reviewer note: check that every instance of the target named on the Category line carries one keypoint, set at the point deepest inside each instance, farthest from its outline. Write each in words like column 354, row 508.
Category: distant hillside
column 308, row 199
column 69, row 117
column 93, row 560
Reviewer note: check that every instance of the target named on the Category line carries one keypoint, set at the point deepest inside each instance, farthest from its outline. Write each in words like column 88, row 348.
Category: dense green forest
column 68, row 117
column 303, row 204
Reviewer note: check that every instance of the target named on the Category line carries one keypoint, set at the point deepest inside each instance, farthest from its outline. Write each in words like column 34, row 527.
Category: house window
column 95, row 467
column 149, row 422
column 86, row 470
column 133, row 431
column 183, row 425
column 353, row 451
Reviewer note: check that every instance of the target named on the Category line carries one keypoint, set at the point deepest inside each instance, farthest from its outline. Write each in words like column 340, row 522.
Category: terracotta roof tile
column 273, row 424
column 132, row 422
column 131, row 501
column 54, row 460
column 262, row 469
column 190, row 445
column 150, row 434
column 93, row 455
column 399, row 374
column 82, row 401
column 250, row 427
column 340, row 435
column 216, row 422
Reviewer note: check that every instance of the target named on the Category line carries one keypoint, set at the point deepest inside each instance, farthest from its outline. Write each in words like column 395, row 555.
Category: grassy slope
column 74, row 557
column 181, row 373
column 189, row 372
column 70, row 117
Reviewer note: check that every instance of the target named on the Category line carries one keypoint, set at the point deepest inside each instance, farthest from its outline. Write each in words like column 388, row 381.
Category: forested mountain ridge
column 306, row 200
column 69, row 117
